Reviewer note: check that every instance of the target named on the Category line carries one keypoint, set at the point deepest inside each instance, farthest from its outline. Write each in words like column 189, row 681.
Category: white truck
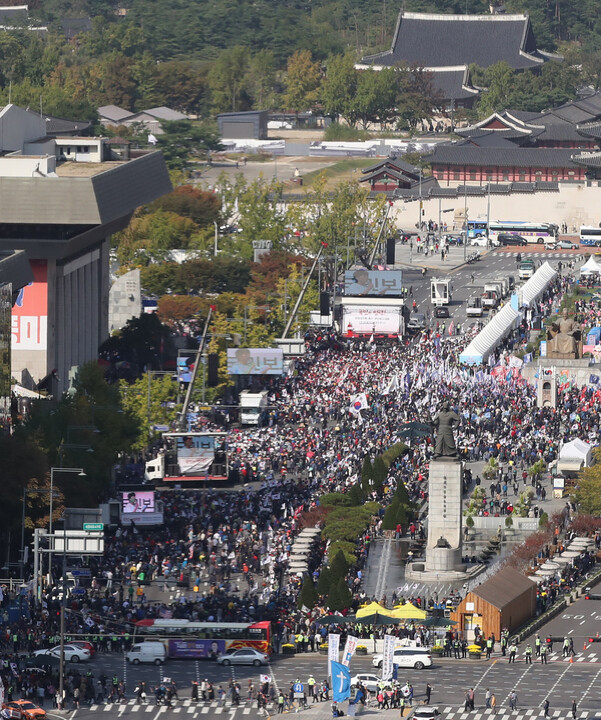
column 252, row 405
column 440, row 292
column 474, row 307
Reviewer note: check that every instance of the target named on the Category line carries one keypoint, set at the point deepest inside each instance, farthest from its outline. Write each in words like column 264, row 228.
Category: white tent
column 490, row 336
column 574, row 455
column 590, row 266
column 537, row 284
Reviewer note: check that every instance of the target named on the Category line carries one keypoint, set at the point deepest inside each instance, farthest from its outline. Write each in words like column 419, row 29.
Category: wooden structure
column 506, row 600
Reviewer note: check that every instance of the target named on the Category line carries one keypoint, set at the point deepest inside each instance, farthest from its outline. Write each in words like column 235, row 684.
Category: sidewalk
column 457, row 255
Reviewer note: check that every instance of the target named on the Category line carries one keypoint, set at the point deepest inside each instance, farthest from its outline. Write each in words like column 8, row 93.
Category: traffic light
column 213, row 369
column 390, row 250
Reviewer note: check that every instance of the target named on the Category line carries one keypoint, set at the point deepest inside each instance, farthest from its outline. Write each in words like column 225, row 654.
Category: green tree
column 184, row 142
column 339, row 566
column 367, row 474
column 333, row 601
column 183, row 86
column 587, row 494
column 261, row 80
column 324, row 581
column 340, row 87
column 303, row 81
column 201, row 206
column 345, row 597
column 379, row 473
column 308, row 595
column 151, row 401
column 228, row 80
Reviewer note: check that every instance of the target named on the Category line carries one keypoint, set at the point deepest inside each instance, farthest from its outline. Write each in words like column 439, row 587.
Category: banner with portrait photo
column 195, row 453
column 373, row 283
column 255, row 361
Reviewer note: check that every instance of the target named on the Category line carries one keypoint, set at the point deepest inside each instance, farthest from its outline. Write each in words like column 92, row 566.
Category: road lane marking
column 559, row 679
column 494, row 662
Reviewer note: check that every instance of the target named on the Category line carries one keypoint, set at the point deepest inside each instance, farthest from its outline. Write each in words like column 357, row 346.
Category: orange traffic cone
column 585, row 646
column 571, row 658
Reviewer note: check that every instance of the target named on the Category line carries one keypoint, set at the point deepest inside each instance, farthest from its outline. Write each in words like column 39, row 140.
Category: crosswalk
column 504, row 713
column 183, row 707
column 554, row 255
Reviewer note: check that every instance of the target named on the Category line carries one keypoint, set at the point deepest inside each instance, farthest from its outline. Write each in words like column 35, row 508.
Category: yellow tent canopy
column 408, row 612
column 371, row 609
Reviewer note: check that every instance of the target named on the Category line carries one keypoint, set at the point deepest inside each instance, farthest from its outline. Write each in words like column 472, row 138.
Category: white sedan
column 370, row 682
column 243, row 656
column 73, row 653
column 483, row 242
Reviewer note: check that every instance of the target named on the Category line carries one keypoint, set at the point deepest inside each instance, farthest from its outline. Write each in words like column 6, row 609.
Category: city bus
column 531, row 232
column 185, row 639
column 590, row 236
column 476, row 229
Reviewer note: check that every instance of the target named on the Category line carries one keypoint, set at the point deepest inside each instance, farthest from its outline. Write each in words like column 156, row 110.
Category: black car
column 442, row 312
column 506, row 239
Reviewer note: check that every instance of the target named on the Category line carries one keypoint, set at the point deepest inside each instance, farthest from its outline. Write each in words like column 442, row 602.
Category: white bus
column 590, row 235
column 531, row 232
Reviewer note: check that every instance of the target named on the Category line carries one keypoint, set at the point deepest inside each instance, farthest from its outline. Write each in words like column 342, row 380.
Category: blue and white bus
column 590, row 235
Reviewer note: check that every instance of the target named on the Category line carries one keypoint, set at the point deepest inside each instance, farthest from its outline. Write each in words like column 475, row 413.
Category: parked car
column 24, row 709
column 73, row 653
column 424, row 712
column 508, row 239
column 568, row 245
column 453, row 239
column 442, row 312
column 481, row 242
column 243, row 656
column 415, row 657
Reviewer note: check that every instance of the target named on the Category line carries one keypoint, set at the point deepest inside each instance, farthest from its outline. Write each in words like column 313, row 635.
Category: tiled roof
column 388, row 171
column 394, row 162
column 430, row 40
column 453, row 83
column 588, row 159
column 490, row 138
column 502, row 157
column 590, row 130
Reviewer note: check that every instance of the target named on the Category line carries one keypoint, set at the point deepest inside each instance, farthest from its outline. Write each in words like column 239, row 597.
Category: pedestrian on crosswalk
column 493, row 703
column 574, row 709
column 513, row 700
column 537, row 641
column 281, row 701
column 546, row 708
column 487, row 698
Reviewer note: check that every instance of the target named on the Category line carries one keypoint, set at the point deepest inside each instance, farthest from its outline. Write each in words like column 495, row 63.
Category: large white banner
column 387, row 660
column 349, row 650
column 333, row 650
column 368, row 319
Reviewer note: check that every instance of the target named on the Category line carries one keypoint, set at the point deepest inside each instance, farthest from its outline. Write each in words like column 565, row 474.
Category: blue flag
column 341, row 682
column 594, row 379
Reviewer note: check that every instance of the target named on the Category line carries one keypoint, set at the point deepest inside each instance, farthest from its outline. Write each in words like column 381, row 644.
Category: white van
column 415, row 657
column 147, row 652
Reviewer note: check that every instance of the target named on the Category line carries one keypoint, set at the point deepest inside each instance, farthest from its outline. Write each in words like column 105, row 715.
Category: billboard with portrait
column 255, row 361
column 141, row 508
column 134, row 503
column 373, row 283
column 195, row 453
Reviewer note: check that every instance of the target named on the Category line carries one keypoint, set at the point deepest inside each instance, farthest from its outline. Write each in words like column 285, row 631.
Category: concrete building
column 243, row 125
column 60, row 201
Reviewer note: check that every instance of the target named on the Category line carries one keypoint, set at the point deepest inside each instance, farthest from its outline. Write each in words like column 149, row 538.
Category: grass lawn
column 341, row 171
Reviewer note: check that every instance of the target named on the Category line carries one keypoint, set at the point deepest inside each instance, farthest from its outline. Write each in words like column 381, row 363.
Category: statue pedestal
column 445, row 486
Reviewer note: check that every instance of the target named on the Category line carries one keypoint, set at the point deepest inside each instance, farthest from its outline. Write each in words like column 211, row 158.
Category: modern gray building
column 251, row 125
column 60, row 201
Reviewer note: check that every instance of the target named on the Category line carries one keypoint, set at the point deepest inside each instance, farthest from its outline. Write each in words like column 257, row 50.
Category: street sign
column 93, row 527
column 78, row 591
column 81, row 573
column 298, row 688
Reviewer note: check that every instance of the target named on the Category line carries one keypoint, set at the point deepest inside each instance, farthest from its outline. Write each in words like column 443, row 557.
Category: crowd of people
column 233, row 546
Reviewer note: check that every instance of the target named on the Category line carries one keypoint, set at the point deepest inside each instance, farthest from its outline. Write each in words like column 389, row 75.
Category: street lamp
column 80, row 472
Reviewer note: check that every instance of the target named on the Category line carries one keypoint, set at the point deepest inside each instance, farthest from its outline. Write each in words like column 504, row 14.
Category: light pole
column 79, row 471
